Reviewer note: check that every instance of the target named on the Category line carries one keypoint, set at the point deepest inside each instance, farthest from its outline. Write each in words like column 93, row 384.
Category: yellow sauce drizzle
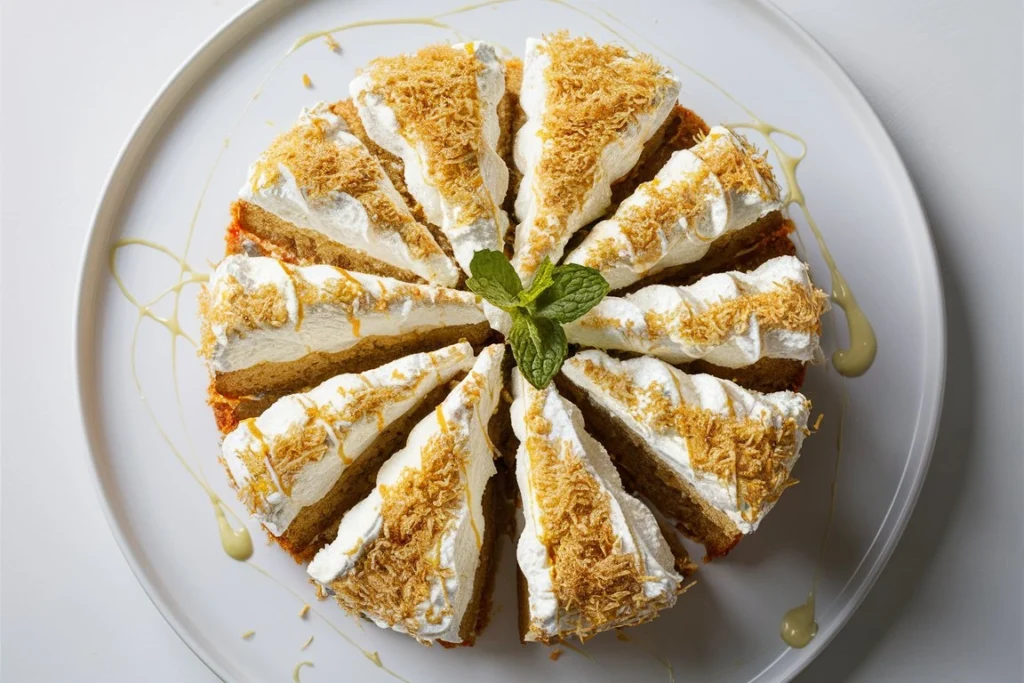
column 295, row 671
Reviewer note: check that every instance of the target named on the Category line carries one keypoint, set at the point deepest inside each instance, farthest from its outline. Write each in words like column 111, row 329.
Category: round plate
column 726, row 627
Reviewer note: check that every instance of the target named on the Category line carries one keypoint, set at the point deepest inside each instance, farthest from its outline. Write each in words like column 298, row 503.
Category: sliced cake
column 729, row 321
column 589, row 111
column 272, row 327
column 708, row 453
column 311, row 456
column 591, row 557
column 317, row 195
column 437, row 110
column 707, row 204
column 415, row 554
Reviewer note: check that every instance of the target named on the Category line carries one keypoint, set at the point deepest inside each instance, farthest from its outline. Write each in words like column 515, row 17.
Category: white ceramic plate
column 724, row 629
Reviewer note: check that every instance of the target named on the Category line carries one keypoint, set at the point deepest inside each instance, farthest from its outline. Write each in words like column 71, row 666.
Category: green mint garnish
column 574, row 290
column 558, row 295
column 494, row 278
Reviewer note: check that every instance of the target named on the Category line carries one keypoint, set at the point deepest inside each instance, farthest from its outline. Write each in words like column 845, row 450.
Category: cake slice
column 709, row 202
column 310, row 457
column 317, row 195
column 272, row 327
column 414, row 555
column 437, row 110
column 589, row 110
column 729, row 321
column 591, row 557
column 708, row 453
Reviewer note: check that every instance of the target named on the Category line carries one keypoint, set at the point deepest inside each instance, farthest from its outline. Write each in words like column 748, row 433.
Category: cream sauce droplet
column 236, row 542
column 799, row 626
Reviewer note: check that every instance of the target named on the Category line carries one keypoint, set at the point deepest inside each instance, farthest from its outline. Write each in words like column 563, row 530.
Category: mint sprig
column 557, row 295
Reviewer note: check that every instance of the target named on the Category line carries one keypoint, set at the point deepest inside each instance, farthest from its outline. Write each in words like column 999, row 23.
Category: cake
column 318, row 195
column 736, row 324
column 705, row 206
column 414, row 554
column 311, row 456
column 273, row 328
column 591, row 557
column 356, row 333
column 589, row 110
column 448, row 144
column 707, row 452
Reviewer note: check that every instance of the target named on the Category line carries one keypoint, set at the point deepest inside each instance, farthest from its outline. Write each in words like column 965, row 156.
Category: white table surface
column 945, row 78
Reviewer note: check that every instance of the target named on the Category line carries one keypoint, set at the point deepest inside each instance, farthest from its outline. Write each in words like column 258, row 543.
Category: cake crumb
column 248, row 635
column 307, row 81
column 621, row 635
column 307, row 643
column 270, row 123
column 304, row 611
column 332, row 44
column 554, row 655
column 817, row 423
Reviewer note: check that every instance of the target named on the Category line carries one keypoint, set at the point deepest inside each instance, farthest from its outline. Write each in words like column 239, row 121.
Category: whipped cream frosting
column 334, row 423
column 463, row 415
column 719, row 186
column 541, row 233
column 655, row 400
column 548, row 426
column 730, row 319
column 467, row 229
column 260, row 309
column 385, row 229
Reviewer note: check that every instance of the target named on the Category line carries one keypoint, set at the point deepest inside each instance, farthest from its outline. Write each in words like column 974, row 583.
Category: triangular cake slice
column 702, row 199
column 708, row 453
column 589, row 110
column 317, row 195
column 415, row 554
column 591, row 557
column 437, row 110
column 728, row 320
column 311, row 456
column 272, row 327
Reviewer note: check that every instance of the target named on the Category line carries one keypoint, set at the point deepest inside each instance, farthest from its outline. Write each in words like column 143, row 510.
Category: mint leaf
column 539, row 347
column 542, row 279
column 574, row 290
column 494, row 278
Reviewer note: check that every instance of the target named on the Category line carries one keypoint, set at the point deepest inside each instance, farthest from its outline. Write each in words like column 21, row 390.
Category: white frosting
column 414, row 376
column 385, row 307
column 632, row 523
column 459, row 552
column 340, row 216
column 704, row 391
column 616, row 159
column 466, row 237
column 685, row 240
column 621, row 323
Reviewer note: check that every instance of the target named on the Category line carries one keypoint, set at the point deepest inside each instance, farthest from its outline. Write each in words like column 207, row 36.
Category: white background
column 946, row 79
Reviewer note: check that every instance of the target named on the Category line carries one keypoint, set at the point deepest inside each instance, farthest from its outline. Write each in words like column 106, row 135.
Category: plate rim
column 193, row 67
